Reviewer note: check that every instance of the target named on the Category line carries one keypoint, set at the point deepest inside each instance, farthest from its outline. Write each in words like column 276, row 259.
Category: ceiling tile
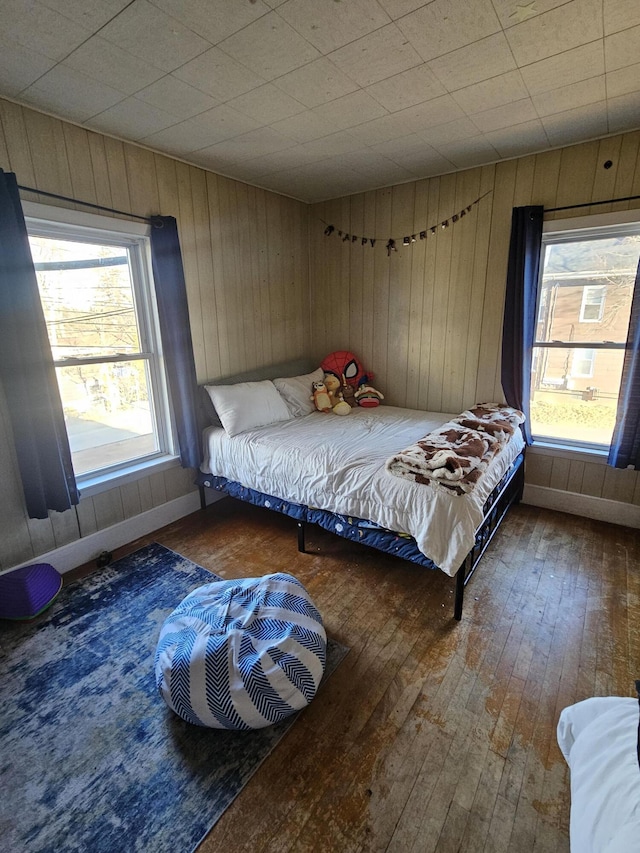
column 623, row 112
column 624, row 81
column 568, row 97
column 328, row 24
column 512, row 12
column 374, row 165
column 622, row 49
column 485, row 58
column 350, row 110
column 91, row 14
column 218, row 75
column 20, row 67
column 270, row 47
column 412, row 87
column 407, row 89
column 400, row 146
column 620, row 14
column 328, row 146
column 510, row 114
column 109, row 64
column 132, row 119
column 148, row 33
column 467, row 153
column 381, row 129
column 520, row 139
column 41, row 29
column 461, row 128
column 442, row 26
column 317, row 182
column 574, row 65
column 316, row 83
column 243, row 171
column 277, row 161
column 424, row 161
column 263, row 140
column 202, row 130
column 266, row 104
column 68, row 93
column 176, row 98
column 377, row 56
column 576, row 125
column 432, row 113
column 214, row 20
column 575, row 23
column 304, row 127
column 398, row 8
column 495, row 92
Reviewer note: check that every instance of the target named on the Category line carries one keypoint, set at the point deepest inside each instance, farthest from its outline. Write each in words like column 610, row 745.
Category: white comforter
column 599, row 740
column 338, row 464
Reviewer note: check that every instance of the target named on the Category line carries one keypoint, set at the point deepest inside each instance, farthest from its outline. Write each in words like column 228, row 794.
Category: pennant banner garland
column 392, row 242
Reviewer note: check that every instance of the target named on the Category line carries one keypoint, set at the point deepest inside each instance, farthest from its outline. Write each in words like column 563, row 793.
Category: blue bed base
column 507, row 492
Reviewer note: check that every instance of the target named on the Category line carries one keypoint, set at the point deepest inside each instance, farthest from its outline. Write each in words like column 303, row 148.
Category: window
column 587, row 276
column 583, row 361
column 94, row 277
column 592, row 307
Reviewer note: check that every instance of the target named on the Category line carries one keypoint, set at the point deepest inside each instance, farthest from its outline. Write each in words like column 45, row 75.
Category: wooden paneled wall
column 245, row 254
column 428, row 319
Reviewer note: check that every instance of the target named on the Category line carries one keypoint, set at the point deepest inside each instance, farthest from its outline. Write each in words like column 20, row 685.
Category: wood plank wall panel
column 246, row 260
column 435, row 309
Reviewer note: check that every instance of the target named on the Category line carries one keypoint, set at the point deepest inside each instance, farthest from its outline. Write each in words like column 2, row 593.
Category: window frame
column 591, row 359
column 585, row 302
column 63, row 223
column 574, row 229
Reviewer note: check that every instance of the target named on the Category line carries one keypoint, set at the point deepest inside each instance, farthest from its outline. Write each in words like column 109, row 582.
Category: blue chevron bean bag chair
column 241, row 654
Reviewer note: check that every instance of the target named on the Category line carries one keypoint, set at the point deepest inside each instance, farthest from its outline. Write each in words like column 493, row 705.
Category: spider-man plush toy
column 347, row 367
column 352, row 375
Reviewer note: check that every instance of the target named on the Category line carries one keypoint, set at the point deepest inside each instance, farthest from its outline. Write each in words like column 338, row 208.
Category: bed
column 330, row 471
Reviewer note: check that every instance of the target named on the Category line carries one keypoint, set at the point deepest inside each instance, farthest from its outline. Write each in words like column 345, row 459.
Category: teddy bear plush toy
column 338, row 404
column 320, row 397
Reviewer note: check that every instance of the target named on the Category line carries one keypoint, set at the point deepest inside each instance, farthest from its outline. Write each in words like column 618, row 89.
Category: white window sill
column 569, row 451
column 95, row 485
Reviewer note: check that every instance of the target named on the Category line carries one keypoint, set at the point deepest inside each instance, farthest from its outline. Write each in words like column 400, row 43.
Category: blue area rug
column 91, row 759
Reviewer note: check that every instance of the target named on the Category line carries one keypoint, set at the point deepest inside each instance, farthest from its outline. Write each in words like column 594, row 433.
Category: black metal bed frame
column 507, row 492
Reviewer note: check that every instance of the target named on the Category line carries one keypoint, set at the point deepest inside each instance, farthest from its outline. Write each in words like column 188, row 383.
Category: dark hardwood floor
column 432, row 735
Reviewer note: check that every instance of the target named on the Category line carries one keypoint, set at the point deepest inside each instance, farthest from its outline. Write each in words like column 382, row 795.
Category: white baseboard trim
column 75, row 554
column 600, row 509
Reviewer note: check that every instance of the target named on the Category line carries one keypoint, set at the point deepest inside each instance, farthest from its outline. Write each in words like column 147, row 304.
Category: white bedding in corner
column 598, row 738
column 337, row 464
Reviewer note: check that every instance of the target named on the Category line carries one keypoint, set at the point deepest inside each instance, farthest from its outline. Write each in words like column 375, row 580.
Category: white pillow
column 297, row 391
column 247, row 405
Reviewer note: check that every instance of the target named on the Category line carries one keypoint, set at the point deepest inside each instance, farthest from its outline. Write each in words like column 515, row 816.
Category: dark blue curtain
column 519, row 323
column 171, row 295
column 625, row 444
column 26, row 369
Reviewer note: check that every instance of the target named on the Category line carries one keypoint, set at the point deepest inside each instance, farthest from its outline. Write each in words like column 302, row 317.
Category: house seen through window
column 97, row 298
column 586, row 286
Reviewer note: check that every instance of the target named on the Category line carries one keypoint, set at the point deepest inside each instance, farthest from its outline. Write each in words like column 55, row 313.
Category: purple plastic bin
column 26, row 592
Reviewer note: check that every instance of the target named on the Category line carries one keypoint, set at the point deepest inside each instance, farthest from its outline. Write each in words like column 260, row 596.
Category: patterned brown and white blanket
column 456, row 454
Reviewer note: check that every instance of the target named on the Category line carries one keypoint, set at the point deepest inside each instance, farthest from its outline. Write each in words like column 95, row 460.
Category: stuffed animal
column 368, row 397
column 352, row 377
column 321, row 398
column 338, row 404
column 347, row 367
